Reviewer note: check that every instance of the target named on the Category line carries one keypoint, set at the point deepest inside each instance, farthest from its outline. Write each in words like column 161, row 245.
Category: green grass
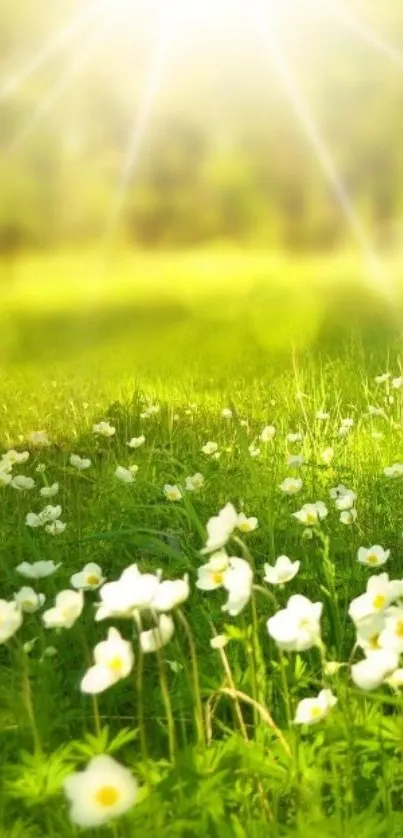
column 66, row 367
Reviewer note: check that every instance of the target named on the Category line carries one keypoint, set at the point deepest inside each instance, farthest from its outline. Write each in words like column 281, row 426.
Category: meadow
column 231, row 424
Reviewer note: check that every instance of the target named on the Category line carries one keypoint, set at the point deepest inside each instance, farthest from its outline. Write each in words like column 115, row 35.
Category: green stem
column 167, row 704
column 198, row 706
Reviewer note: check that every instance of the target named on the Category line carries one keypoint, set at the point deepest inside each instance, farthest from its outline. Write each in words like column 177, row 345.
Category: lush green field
column 213, row 736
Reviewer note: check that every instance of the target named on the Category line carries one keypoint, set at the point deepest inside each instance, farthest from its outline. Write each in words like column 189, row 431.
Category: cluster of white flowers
column 344, row 501
column 49, row 518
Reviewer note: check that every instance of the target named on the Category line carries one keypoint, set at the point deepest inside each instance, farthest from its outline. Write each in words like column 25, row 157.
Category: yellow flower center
column 107, row 796
column 372, row 559
column 92, row 579
column 373, row 642
column 217, row 577
column 315, row 712
column 116, row 665
column 311, row 518
column 399, row 629
column 379, row 601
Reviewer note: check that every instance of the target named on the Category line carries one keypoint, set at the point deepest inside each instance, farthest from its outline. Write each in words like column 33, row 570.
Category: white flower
column 41, row 468
column 55, row 528
column 268, row 433
column 338, row 491
column 238, row 579
column 348, row 516
column 154, row 639
column 220, row 641
column 245, row 524
column 33, row 520
column 132, row 591
column 22, row 483
column 210, row 448
column 391, row 637
column 124, row 474
column 373, row 556
column 80, row 463
column 170, row 594
column 295, row 460
column 37, row 570
column 104, row 429
column 393, row 471
column 50, row 514
column 369, row 673
column 172, row 493
column 136, row 441
column 397, row 383
column 49, row 491
column 226, row 413
column 311, row 513
column 114, row 660
column 347, row 422
column 380, row 592
column 327, row 456
column 194, row 482
column 10, row 619
column 220, row 528
column 346, row 500
column 291, row 485
column 13, row 457
column 28, row 600
column 375, row 411
column 322, row 416
column 369, row 632
column 105, row 790
column 254, row 450
column 211, row 575
column 313, row 710
column 294, row 437
column 382, row 379
column 283, row 571
column 5, row 477
column 296, row 628
column 67, row 609
column 88, row 579
column 39, row 438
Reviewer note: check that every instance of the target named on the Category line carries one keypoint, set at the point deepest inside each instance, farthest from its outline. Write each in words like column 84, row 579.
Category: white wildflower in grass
column 397, row 383
column 368, row 632
column 37, row 570
column 283, row 571
column 338, row 491
column 104, row 429
column 132, row 591
column 254, row 450
column 220, row 528
column 28, row 600
column 268, row 433
column 311, row 514
column 13, row 457
column 375, row 411
column 245, row 524
column 219, row 641
column 50, row 514
column 33, row 520
column 344, row 430
column 55, row 528
column 113, row 660
column 172, row 493
column 125, row 475
column 80, row 463
column 39, row 438
column 210, row 576
column 49, row 491
column 382, row 379
column 226, row 413
column 322, row 416
column 345, row 501
column 380, row 592
column 295, row 460
column 348, row 517
column 312, row 710
column 5, row 477
column 170, row 594
column 103, row 791
column 348, row 422
column 155, row 638
column 41, row 468
column 296, row 628
column 136, row 441
column 391, row 637
column 394, row 471
column 210, row 448
column 10, row 619
column 194, row 482
column 374, row 556
column 67, row 609
column 370, row 673
column 238, row 580
column 291, row 485
column 23, row 483
column 88, row 579
column 297, row 437
column 327, row 455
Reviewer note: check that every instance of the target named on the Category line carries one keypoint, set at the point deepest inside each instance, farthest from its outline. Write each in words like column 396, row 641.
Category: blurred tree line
column 225, row 157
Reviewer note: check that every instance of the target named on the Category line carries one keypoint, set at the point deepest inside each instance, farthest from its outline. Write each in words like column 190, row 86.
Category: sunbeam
column 277, row 58
column 360, row 28
column 57, row 42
